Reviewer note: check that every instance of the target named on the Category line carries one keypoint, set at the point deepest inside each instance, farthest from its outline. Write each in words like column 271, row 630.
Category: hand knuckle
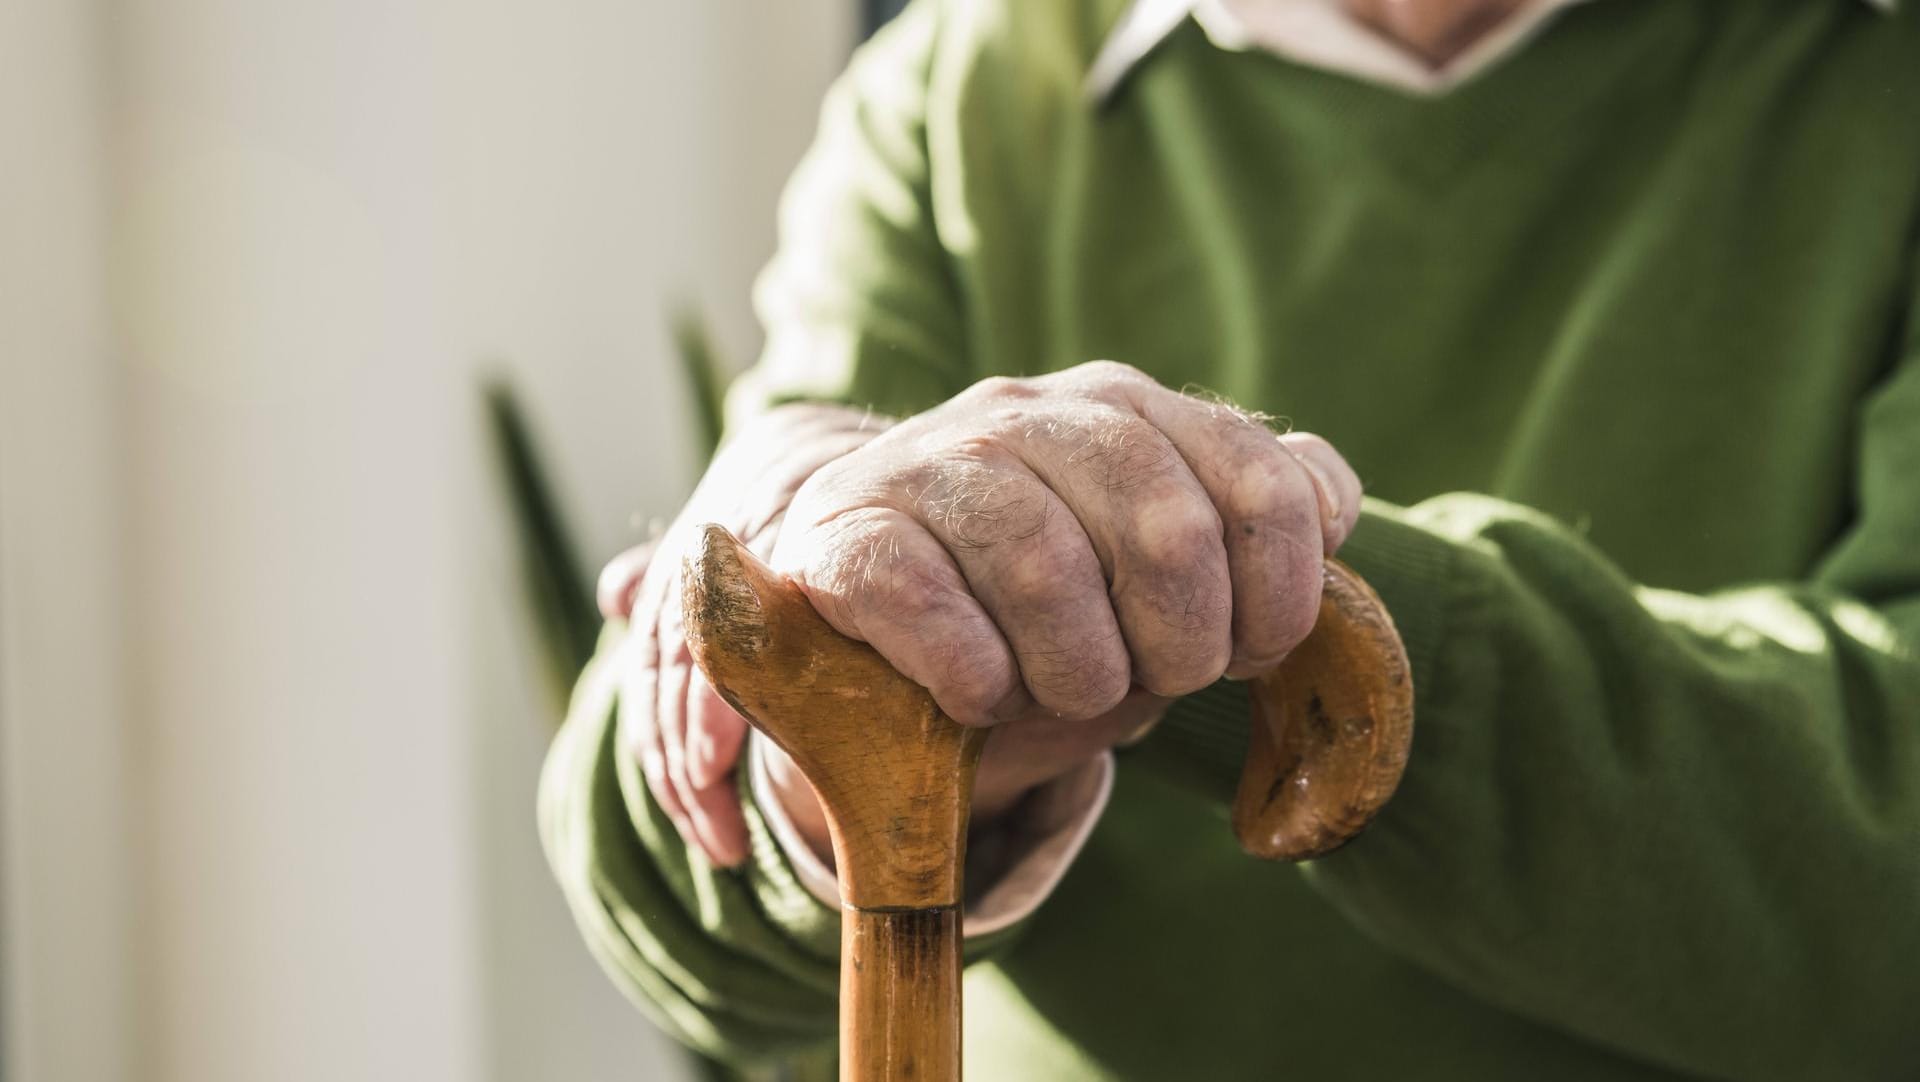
column 1111, row 374
column 1264, row 489
column 1048, row 578
column 825, row 490
column 1083, row 680
column 1001, row 387
column 1187, row 662
column 1172, row 530
column 1299, row 441
column 976, row 676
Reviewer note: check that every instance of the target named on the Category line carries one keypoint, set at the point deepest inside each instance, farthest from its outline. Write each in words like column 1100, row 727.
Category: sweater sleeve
column 1683, row 825
column 737, row 964
column 860, row 303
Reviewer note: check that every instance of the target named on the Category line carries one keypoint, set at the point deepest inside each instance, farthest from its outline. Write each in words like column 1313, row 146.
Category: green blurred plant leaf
column 554, row 581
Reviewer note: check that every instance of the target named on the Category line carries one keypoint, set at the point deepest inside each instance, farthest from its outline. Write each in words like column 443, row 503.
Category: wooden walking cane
column 1331, row 729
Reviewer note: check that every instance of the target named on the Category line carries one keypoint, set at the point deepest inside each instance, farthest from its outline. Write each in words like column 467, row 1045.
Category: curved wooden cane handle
column 895, row 781
column 1332, row 725
column 1330, row 734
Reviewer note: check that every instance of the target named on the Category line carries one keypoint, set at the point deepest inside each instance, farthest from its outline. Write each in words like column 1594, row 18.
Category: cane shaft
column 900, row 995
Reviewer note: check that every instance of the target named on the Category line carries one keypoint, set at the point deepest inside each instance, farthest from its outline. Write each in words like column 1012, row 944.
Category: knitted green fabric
column 1621, row 336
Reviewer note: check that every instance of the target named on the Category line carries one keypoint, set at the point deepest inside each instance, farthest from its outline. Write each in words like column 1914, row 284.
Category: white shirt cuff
column 1011, row 869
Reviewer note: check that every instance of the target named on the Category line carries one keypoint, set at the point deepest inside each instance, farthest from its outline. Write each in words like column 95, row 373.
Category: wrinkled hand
column 685, row 738
column 1060, row 556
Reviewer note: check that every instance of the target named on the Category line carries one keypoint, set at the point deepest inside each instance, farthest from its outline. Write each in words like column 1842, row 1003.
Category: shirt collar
column 1147, row 23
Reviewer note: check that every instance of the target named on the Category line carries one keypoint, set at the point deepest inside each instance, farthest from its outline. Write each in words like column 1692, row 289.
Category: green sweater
column 1622, row 337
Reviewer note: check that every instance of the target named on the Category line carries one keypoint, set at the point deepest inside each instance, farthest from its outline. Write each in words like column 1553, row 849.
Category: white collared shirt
column 1317, row 33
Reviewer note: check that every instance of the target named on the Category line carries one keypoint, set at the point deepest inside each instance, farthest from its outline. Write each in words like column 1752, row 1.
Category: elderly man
column 1612, row 307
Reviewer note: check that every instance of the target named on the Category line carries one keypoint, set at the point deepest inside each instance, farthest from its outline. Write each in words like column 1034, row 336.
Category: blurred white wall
column 262, row 650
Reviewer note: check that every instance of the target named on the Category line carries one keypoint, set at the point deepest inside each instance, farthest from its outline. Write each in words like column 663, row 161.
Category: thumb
column 620, row 580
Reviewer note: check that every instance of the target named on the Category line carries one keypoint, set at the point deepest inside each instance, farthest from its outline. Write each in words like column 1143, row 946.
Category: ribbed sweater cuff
column 1203, row 740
